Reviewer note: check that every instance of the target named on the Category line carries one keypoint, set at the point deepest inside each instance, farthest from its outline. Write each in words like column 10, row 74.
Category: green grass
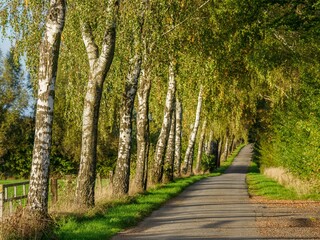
column 260, row 185
column 110, row 218
column 11, row 188
column 115, row 216
column 12, row 181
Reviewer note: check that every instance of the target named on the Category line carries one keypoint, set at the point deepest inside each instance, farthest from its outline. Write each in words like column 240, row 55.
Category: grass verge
column 260, row 185
column 109, row 218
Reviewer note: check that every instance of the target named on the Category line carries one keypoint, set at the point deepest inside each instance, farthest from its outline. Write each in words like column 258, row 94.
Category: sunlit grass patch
column 260, row 185
column 109, row 218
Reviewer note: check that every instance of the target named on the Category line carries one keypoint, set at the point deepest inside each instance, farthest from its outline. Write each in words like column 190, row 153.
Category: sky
column 4, row 45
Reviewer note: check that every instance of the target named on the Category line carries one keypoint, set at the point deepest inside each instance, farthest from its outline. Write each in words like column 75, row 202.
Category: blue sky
column 4, row 45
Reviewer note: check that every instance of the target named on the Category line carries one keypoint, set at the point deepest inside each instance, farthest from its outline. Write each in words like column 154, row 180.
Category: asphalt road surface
column 213, row 208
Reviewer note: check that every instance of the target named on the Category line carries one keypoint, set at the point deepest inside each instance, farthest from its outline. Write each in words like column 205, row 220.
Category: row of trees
column 220, row 66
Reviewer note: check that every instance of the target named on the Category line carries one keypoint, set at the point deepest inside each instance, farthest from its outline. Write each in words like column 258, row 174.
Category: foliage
column 16, row 129
column 257, row 60
column 286, row 129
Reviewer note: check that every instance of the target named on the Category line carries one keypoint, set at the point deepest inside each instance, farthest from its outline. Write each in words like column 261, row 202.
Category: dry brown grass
column 24, row 224
column 66, row 200
column 285, row 178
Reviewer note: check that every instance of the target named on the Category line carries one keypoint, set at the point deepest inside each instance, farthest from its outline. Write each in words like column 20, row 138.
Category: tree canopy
column 258, row 63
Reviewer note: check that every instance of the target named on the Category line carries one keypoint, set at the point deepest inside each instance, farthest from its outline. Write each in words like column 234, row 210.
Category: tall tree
column 189, row 152
column 165, row 129
column 177, row 151
column 200, row 147
column 49, row 54
column 99, row 62
column 143, row 125
column 168, row 167
column 122, row 172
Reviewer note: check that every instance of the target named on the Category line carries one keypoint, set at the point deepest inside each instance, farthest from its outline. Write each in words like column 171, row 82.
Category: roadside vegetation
column 111, row 217
column 261, row 185
column 142, row 91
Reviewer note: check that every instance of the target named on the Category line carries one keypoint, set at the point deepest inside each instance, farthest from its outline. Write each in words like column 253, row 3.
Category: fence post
column 111, row 179
column 99, row 182
column 1, row 201
column 54, row 190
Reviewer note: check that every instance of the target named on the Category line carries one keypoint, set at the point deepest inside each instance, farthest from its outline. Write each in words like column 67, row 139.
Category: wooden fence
column 14, row 196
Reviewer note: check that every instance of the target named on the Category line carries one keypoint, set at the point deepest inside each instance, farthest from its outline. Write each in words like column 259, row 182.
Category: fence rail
column 4, row 195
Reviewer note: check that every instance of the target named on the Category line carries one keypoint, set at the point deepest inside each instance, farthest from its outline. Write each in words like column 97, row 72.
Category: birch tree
column 49, row 54
column 177, row 151
column 165, row 129
column 143, row 127
column 99, row 62
column 200, row 148
column 168, row 167
column 122, row 172
column 193, row 135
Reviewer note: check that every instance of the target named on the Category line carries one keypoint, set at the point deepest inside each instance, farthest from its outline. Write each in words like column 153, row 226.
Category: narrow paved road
column 213, row 208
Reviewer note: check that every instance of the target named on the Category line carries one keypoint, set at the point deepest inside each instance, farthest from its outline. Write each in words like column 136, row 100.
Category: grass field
column 260, row 185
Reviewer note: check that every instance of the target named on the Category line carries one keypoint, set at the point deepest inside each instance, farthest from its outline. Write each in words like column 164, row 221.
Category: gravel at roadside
column 283, row 219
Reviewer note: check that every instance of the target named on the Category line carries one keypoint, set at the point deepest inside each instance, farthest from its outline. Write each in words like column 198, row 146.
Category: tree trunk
column 219, row 156
column 191, row 156
column 49, row 54
column 225, row 151
column 164, row 133
column 232, row 145
column 121, row 178
column 209, row 145
column 99, row 67
column 192, row 139
column 200, row 148
column 177, row 154
column 170, row 151
column 142, row 131
column 122, row 172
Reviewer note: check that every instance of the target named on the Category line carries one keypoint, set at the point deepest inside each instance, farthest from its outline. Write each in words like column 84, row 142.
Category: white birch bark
column 49, row 54
column 122, row 172
column 170, row 151
column 99, row 67
column 177, row 155
column 225, row 151
column 164, row 133
column 200, row 148
column 121, row 178
column 142, row 131
column 193, row 135
column 209, row 147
